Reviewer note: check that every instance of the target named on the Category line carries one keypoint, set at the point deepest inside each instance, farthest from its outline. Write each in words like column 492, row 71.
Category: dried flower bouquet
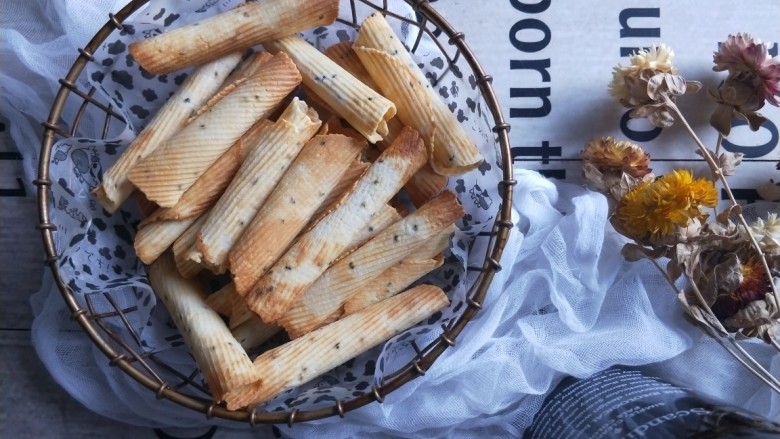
column 725, row 271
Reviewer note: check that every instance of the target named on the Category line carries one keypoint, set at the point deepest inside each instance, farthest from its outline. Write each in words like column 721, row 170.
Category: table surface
column 32, row 404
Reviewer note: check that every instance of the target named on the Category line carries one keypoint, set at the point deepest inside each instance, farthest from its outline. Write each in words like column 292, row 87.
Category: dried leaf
column 687, row 256
column 755, row 120
column 734, row 210
column 626, row 184
column 728, row 93
column 593, row 177
column 655, row 87
column 756, row 313
column 634, row 252
column 692, row 87
column 721, row 119
column 774, row 268
column 729, row 162
column 759, row 319
column 683, row 298
column 643, row 111
column 727, row 275
column 676, row 84
column 673, row 270
column 702, row 317
column 718, row 231
column 661, row 118
column 691, row 230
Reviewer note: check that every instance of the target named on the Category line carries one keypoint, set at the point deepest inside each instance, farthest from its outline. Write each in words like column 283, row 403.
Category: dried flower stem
column 774, row 343
column 773, row 381
column 740, row 354
column 760, row 373
column 705, row 306
column 716, row 171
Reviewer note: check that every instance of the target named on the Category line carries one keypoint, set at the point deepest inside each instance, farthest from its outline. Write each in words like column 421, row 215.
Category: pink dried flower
column 745, row 56
column 754, row 79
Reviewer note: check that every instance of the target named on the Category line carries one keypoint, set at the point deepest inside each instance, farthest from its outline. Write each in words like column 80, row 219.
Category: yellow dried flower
column 656, row 209
column 658, row 59
column 610, row 155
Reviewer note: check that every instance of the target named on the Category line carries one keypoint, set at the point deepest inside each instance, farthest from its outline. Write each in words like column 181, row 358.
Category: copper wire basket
column 183, row 388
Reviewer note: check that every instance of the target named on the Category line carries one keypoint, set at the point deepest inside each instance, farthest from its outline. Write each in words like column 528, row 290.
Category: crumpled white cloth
column 564, row 304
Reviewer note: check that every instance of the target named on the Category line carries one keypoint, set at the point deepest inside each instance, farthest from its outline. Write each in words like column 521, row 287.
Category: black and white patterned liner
column 97, row 256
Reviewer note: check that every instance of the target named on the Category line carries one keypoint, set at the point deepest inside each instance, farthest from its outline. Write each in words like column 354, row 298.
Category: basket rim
column 415, row 368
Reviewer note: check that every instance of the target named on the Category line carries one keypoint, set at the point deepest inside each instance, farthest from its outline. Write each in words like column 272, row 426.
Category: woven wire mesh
column 100, row 315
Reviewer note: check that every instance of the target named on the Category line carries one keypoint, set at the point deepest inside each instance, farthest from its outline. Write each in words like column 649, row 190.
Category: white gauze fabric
column 564, row 304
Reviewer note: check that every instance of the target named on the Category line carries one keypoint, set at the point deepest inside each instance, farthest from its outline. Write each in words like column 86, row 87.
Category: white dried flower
column 766, row 232
column 657, row 58
column 648, row 85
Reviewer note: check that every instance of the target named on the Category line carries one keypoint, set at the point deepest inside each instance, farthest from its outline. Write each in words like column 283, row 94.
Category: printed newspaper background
column 552, row 60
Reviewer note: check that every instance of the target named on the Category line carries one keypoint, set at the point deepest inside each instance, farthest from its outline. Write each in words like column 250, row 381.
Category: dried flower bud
column 766, row 232
column 754, row 78
column 648, row 82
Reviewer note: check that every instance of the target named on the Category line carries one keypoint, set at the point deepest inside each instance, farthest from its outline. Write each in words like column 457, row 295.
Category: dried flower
column 648, row 82
column 758, row 318
column 767, row 233
column 615, row 167
column 657, row 59
column 729, row 289
column 753, row 286
column 654, row 210
column 742, row 53
column 612, row 156
column 754, row 78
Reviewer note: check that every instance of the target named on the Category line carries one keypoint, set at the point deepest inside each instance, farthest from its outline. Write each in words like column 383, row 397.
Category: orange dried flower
column 610, row 155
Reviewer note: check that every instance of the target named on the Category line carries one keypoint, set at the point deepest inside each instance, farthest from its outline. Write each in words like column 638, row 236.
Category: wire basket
column 185, row 387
